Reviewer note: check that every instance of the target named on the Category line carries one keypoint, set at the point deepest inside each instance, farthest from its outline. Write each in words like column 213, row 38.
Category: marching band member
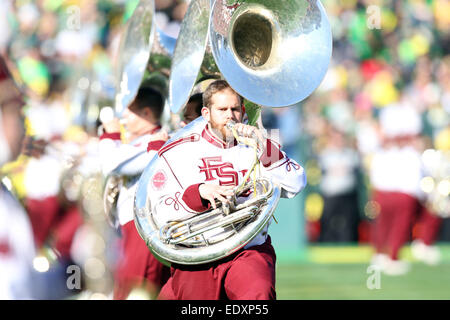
column 193, row 109
column 137, row 267
column 198, row 170
column 16, row 237
column 54, row 219
column 395, row 174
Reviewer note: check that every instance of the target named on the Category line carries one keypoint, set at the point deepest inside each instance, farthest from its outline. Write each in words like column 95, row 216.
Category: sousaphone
column 274, row 54
column 145, row 54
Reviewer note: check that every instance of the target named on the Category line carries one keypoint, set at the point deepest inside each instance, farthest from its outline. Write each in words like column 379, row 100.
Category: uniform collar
column 209, row 136
column 143, row 139
column 154, row 130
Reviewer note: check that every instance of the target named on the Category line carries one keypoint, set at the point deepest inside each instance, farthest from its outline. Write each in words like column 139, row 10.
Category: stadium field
column 341, row 273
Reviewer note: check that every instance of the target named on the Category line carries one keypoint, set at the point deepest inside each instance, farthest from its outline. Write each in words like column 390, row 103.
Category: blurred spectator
column 287, row 121
column 339, row 163
column 373, row 67
column 5, row 28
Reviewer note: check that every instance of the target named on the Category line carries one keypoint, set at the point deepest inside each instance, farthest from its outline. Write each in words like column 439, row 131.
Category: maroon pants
column 392, row 227
column 428, row 226
column 42, row 213
column 137, row 267
column 246, row 275
column 51, row 219
column 65, row 229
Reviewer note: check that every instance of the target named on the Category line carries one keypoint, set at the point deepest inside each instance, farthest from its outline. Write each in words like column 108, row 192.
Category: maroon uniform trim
column 173, row 173
column 272, row 154
column 193, row 200
column 155, row 145
column 5, row 248
column 211, row 138
column 113, row 136
column 191, row 138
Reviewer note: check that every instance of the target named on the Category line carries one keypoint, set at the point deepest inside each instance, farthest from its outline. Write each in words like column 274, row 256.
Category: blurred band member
column 16, row 237
column 395, row 174
column 137, row 268
column 193, row 109
column 53, row 217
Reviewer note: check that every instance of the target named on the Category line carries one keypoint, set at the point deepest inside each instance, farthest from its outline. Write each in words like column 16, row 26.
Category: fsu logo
column 214, row 168
column 159, row 180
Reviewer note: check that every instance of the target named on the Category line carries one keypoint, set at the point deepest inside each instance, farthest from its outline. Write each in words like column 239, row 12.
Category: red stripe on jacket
column 191, row 138
column 113, row 136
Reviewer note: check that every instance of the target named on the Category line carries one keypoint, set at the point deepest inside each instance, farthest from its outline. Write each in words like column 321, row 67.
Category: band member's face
column 226, row 106
column 136, row 120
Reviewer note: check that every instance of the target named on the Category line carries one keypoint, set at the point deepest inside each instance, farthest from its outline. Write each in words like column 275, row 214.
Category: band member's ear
column 148, row 114
column 206, row 114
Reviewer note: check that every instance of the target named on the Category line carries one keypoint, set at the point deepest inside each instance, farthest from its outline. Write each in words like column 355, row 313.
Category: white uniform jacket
column 199, row 158
column 17, row 249
column 128, row 160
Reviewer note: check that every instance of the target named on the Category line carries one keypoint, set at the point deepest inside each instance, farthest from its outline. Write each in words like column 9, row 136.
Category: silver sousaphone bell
column 273, row 53
column 144, row 48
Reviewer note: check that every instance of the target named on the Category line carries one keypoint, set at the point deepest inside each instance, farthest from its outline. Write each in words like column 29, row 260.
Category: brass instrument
column 208, row 236
column 144, row 56
column 274, row 54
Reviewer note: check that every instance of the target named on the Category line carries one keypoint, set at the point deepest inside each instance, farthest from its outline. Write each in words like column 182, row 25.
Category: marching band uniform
column 137, row 266
column 422, row 248
column 248, row 273
column 395, row 174
column 16, row 249
column 54, row 219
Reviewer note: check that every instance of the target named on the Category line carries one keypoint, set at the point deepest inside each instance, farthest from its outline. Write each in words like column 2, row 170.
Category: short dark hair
column 214, row 87
column 193, row 107
column 148, row 97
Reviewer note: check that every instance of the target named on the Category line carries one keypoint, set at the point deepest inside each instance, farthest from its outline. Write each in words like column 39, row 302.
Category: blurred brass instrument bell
column 144, row 58
column 273, row 53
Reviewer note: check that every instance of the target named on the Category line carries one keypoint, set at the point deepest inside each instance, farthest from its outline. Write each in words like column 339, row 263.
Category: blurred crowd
column 385, row 99
column 381, row 112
